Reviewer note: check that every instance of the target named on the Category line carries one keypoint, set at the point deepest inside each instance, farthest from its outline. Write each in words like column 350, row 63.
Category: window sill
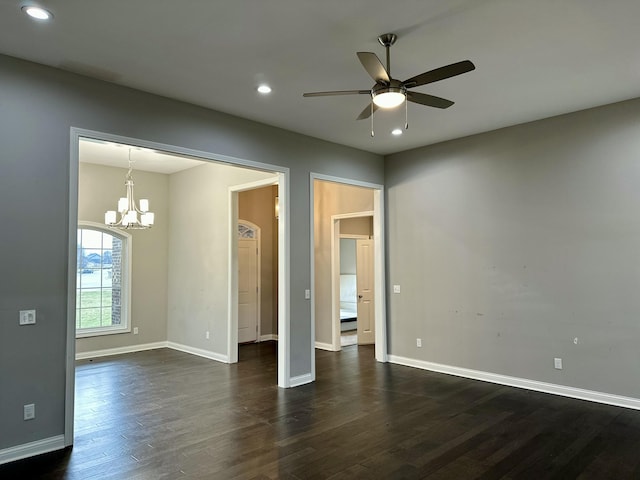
column 98, row 332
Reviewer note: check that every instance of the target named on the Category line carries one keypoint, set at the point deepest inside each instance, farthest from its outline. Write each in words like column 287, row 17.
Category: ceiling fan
column 388, row 92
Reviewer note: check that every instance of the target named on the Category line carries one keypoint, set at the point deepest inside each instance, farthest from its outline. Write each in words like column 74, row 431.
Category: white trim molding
column 120, row 350
column 562, row 390
column 31, row 449
column 300, row 380
column 268, row 336
column 218, row 357
column 325, row 346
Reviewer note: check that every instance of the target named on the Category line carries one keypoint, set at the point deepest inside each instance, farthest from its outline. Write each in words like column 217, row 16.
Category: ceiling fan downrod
column 386, row 40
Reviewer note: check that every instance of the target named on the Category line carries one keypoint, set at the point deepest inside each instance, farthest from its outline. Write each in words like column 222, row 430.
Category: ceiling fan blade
column 428, row 100
column 366, row 113
column 440, row 74
column 337, row 92
column 374, row 67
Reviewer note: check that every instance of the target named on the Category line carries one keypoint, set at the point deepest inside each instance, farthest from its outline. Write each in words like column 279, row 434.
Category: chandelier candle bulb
column 147, row 219
column 144, row 205
column 110, row 217
column 133, row 216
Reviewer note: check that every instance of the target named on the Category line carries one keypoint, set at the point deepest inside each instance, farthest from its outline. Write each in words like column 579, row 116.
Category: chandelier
column 131, row 217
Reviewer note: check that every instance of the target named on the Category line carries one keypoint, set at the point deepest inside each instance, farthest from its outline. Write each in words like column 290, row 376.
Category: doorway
column 201, row 334
column 258, row 257
column 332, row 198
column 353, row 280
column 254, row 204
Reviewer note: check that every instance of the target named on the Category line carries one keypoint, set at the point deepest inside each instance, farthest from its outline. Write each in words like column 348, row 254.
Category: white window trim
column 125, row 299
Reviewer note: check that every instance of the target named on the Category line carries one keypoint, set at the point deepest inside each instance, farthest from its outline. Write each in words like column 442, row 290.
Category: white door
column 247, row 290
column 364, row 273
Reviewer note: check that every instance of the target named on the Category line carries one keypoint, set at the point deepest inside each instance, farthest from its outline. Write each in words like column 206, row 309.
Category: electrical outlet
column 419, row 342
column 29, row 411
column 135, row 330
column 396, row 289
column 27, row 317
column 557, row 363
column 307, row 294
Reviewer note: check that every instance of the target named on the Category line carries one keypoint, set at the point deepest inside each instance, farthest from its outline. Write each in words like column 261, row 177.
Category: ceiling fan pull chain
column 372, row 134
column 406, row 114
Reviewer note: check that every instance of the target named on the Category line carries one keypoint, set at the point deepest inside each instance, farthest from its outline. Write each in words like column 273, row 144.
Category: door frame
column 381, row 352
column 258, row 240
column 284, row 309
column 335, row 271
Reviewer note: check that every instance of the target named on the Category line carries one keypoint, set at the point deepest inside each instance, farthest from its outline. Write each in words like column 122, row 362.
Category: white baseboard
column 218, row 357
column 562, row 390
column 325, row 346
column 269, row 336
column 300, row 380
column 151, row 346
column 120, row 350
column 38, row 447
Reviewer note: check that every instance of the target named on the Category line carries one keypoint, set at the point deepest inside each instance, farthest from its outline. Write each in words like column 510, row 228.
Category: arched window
column 102, row 281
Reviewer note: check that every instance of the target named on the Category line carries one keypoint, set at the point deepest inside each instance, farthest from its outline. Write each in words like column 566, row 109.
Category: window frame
column 125, row 282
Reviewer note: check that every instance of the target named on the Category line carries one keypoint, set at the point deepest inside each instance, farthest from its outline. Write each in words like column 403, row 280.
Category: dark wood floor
column 164, row 414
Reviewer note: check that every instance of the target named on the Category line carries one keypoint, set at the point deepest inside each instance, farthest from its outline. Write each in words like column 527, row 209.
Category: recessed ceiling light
column 396, row 131
column 264, row 89
column 38, row 13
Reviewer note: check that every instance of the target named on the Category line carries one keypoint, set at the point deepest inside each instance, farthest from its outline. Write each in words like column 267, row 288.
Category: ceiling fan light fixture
column 388, row 96
column 388, row 99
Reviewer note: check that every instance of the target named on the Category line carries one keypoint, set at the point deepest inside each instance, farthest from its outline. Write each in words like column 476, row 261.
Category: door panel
column 364, row 269
column 247, row 290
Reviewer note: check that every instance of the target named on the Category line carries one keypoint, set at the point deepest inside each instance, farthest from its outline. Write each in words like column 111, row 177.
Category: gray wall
column 99, row 188
column 510, row 244
column 38, row 106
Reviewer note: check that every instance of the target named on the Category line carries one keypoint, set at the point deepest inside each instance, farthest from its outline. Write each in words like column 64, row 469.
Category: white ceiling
column 534, row 58
column 118, row 155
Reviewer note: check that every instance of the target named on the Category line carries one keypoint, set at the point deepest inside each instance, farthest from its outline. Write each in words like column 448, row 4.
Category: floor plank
column 164, row 414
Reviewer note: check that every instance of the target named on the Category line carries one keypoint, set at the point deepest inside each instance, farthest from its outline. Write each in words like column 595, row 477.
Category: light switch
column 396, row 289
column 27, row 317
column 307, row 294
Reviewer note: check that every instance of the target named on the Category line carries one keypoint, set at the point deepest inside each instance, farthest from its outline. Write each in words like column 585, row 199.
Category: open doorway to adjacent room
column 256, row 223
column 348, row 215
column 353, row 280
column 177, row 285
